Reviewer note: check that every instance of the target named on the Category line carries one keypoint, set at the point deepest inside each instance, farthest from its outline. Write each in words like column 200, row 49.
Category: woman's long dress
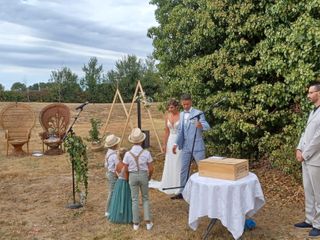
column 172, row 164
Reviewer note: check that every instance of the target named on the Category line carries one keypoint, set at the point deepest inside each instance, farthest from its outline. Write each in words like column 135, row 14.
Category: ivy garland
column 78, row 155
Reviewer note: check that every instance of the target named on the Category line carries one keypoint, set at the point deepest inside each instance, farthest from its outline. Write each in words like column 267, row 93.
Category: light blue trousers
column 139, row 182
column 186, row 158
column 311, row 179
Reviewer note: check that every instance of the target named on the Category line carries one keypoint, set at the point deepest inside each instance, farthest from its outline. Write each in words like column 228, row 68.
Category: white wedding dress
column 172, row 165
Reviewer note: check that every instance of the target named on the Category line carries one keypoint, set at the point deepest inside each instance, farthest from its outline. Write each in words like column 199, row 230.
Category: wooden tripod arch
column 138, row 90
column 116, row 95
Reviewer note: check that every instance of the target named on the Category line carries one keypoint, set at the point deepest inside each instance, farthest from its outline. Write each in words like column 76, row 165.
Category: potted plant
column 94, row 135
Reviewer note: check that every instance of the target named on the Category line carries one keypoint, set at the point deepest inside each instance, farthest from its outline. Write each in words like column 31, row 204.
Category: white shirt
column 186, row 115
column 111, row 160
column 144, row 159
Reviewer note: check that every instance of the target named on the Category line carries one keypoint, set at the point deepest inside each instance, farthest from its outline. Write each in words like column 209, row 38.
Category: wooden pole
column 125, row 109
column 111, row 109
column 129, row 114
column 107, row 122
column 150, row 116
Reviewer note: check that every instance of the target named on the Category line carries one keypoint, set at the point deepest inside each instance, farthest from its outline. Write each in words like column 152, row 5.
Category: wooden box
column 227, row 168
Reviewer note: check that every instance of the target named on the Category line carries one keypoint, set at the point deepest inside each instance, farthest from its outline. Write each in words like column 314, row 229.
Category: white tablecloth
column 228, row 201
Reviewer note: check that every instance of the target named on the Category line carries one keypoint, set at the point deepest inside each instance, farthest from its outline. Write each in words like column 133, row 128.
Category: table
column 226, row 200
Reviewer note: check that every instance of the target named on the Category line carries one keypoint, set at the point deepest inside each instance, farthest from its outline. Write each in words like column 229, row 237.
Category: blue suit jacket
column 186, row 131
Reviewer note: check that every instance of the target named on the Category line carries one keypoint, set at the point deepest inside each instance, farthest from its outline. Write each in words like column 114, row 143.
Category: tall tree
column 151, row 80
column 2, row 93
column 93, row 77
column 65, row 86
column 19, row 87
column 34, row 87
column 129, row 70
column 106, row 91
column 259, row 54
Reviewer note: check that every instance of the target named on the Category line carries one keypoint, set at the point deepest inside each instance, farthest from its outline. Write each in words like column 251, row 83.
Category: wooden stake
column 117, row 94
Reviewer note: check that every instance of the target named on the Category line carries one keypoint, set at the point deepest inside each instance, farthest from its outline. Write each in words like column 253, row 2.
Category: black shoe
column 178, row 196
column 303, row 225
column 314, row 232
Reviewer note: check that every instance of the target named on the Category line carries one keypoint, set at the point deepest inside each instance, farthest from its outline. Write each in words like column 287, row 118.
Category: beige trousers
column 311, row 185
column 139, row 183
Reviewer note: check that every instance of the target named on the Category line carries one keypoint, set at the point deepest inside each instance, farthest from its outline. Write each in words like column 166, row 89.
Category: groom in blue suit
column 192, row 124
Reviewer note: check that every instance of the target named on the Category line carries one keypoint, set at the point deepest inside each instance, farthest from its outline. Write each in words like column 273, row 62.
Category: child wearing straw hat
column 111, row 160
column 139, row 163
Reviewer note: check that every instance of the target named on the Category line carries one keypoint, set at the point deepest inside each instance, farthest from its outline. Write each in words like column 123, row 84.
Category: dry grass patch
column 35, row 190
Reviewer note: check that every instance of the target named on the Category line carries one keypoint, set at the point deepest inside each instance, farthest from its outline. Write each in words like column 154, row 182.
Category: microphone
column 196, row 116
column 82, row 105
column 214, row 105
column 218, row 103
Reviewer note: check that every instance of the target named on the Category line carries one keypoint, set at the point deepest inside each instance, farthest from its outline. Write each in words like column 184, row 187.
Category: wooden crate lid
column 224, row 161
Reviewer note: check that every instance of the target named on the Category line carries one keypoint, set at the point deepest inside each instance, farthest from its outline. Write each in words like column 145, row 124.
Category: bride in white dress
column 172, row 164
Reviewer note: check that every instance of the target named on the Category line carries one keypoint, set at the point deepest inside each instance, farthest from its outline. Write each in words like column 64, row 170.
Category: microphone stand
column 191, row 157
column 73, row 205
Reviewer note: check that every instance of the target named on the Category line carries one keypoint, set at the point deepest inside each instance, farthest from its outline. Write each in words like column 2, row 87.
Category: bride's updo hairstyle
column 172, row 102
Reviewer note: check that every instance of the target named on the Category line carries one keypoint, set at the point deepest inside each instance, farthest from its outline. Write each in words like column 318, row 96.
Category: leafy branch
column 78, row 156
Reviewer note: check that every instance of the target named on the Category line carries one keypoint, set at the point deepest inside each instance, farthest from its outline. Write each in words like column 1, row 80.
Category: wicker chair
column 54, row 119
column 17, row 119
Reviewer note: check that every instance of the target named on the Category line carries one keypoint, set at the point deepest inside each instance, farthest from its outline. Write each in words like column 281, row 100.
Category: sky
column 40, row 36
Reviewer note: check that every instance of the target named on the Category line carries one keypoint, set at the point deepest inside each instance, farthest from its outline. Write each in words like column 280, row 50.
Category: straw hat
column 111, row 141
column 136, row 136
